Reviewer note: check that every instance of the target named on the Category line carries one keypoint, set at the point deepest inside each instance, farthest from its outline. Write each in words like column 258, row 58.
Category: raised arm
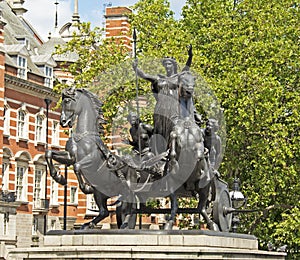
column 190, row 58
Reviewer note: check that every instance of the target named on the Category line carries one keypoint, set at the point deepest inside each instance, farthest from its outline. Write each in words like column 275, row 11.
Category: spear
column 137, row 87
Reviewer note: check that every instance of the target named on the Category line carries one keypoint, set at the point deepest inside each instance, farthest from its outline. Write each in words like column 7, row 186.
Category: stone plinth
column 141, row 244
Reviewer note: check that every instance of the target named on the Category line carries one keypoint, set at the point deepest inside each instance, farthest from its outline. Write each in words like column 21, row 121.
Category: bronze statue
column 212, row 142
column 140, row 134
column 188, row 158
column 165, row 90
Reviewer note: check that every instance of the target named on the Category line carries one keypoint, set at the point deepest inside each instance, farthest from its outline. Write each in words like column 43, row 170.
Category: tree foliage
column 248, row 53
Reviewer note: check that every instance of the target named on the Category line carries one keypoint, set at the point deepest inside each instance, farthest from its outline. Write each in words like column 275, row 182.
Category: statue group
column 173, row 158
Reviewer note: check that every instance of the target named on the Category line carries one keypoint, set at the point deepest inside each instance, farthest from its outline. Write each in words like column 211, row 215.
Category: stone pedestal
column 141, row 244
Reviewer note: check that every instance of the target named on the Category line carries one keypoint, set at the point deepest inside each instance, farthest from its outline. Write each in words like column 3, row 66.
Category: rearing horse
column 97, row 170
column 188, row 157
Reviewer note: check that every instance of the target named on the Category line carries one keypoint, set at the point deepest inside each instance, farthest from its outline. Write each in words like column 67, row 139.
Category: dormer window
column 48, row 76
column 24, row 41
column 22, row 67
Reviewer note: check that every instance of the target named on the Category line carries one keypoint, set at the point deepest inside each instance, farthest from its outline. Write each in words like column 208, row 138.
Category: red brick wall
column 2, row 70
column 117, row 25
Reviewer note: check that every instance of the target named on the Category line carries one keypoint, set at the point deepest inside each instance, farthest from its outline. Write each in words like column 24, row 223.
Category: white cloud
column 41, row 14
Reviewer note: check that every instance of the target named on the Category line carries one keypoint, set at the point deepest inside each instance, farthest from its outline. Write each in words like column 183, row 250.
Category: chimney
column 117, row 25
column 17, row 7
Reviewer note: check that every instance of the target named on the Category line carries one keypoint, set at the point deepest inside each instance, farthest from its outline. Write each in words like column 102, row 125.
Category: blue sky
column 41, row 13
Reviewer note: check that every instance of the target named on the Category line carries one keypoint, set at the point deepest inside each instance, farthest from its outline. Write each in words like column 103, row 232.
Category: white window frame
column 54, row 193
column 6, row 124
column 91, row 206
column 22, row 67
column 39, row 186
column 21, row 181
column 40, row 129
column 5, row 174
column 48, row 71
column 22, row 129
column 73, row 195
column 55, row 133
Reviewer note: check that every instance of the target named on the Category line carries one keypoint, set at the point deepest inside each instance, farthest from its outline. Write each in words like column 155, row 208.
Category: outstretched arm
column 143, row 75
column 190, row 58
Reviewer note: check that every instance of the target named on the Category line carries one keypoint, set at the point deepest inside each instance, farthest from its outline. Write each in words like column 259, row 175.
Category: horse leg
column 173, row 163
column 59, row 156
column 101, row 201
column 85, row 187
column 86, row 162
column 203, row 197
column 174, row 208
column 129, row 220
column 128, row 216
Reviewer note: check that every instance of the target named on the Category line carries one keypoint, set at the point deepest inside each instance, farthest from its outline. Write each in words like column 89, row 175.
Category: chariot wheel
column 221, row 202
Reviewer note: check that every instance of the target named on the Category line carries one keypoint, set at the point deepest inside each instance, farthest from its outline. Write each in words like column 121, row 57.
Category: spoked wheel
column 222, row 201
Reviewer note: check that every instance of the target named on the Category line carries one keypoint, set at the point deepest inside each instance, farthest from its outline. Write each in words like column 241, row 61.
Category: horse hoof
column 85, row 226
column 60, row 179
column 168, row 225
column 213, row 226
column 124, row 226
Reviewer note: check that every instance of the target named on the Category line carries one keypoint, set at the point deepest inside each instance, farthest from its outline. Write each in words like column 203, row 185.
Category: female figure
column 165, row 90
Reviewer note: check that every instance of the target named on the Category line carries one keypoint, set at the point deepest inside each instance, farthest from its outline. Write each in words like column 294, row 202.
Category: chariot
column 183, row 169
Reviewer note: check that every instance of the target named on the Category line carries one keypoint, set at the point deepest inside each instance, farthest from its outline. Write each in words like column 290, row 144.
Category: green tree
column 96, row 56
column 249, row 53
column 158, row 30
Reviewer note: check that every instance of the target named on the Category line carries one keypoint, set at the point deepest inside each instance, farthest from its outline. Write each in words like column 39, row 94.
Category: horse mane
column 186, row 76
column 96, row 103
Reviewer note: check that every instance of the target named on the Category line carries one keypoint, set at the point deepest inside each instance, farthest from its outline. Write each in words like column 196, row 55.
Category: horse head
column 69, row 104
column 186, row 84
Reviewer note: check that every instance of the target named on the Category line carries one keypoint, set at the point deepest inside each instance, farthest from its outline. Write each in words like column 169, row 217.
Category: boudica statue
column 183, row 164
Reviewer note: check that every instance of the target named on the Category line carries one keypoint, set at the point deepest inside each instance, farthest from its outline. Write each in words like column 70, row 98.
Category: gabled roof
column 17, row 27
column 45, row 59
column 16, row 49
column 49, row 48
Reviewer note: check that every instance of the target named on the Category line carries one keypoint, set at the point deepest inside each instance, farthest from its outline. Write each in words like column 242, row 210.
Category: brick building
column 27, row 74
column 28, row 70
